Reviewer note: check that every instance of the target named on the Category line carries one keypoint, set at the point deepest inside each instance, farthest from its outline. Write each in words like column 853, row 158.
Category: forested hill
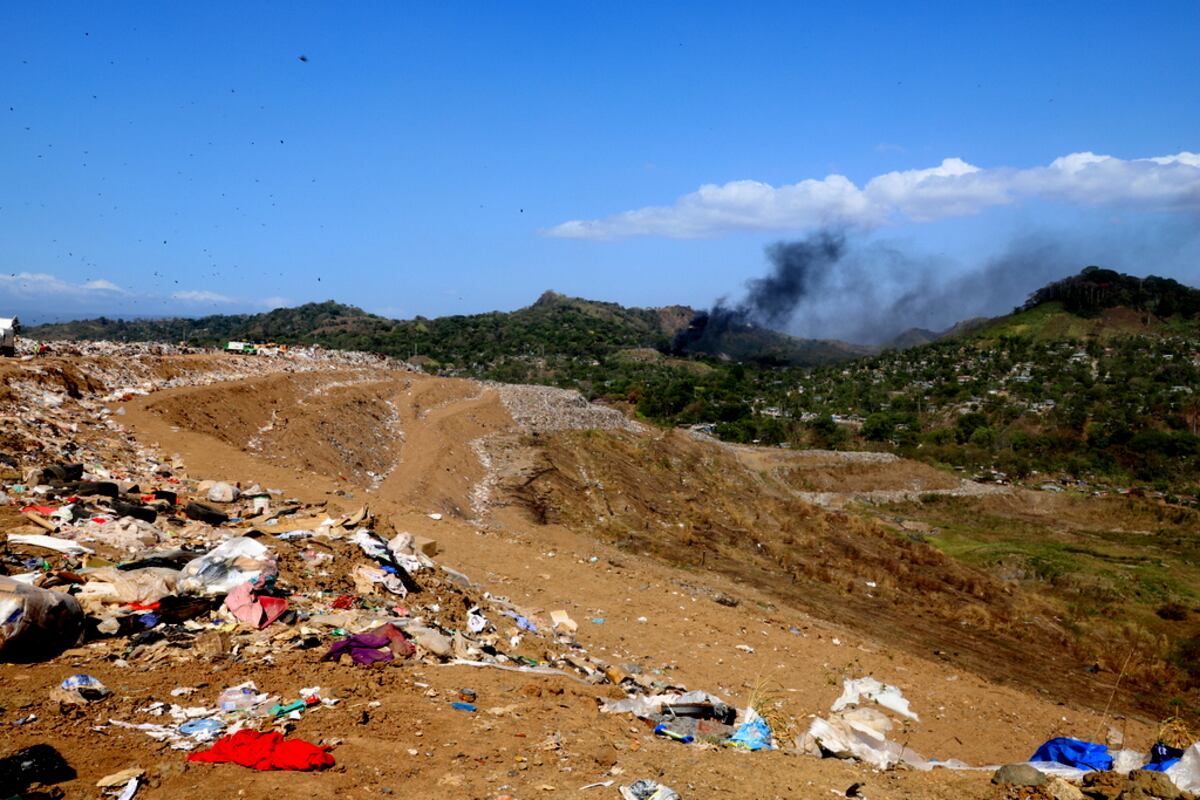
column 555, row 326
column 1096, row 289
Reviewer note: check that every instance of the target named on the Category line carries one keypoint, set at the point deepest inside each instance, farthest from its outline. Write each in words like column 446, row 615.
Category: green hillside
column 1100, row 304
column 517, row 345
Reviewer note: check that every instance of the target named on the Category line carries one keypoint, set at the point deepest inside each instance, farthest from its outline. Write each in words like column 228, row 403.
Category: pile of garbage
column 545, row 409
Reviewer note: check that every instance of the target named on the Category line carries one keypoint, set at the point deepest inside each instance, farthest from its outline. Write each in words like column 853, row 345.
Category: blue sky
column 454, row 158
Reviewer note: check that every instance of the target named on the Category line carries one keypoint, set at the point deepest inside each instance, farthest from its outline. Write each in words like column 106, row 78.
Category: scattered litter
column 237, row 561
column 646, row 789
column 129, row 791
column 1074, row 753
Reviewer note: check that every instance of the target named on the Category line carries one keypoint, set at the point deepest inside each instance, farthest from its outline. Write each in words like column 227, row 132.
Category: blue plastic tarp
column 752, row 735
column 1163, row 757
column 1075, row 753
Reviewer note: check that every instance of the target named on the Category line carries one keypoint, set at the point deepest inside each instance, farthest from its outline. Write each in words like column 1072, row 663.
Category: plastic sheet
column 886, row 695
column 861, row 733
column 1075, row 753
column 239, row 560
column 1186, row 773
column 753, row 734
column 112, row 585
column 65, row 546
column 36, row 623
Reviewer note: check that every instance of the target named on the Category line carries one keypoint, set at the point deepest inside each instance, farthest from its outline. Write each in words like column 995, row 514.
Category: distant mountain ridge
column 1095, row 303
column 554, row 325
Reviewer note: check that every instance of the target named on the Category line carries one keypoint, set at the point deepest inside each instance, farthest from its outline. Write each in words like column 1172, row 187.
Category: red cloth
column 265, row 751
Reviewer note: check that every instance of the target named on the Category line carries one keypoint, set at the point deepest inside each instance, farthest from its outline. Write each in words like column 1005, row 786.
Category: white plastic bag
column 239, row 560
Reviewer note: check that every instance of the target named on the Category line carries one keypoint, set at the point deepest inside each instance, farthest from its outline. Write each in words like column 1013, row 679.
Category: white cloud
column 101, row 285
column 201, row 296
column 953, row 188
column 273, row 303
column 43, row 284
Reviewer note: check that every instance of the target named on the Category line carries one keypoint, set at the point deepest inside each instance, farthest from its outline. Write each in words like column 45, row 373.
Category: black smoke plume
column 850, row 287
column 797, row 269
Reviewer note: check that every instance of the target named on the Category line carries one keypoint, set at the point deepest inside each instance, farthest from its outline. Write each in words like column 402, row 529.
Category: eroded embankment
column 696, row 505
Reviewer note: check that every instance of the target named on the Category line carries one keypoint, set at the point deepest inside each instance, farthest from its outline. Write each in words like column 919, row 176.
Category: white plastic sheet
column 50, row 543
column 1128, row 760
column 1186, row 773
column 861, row 733
column 886, row 695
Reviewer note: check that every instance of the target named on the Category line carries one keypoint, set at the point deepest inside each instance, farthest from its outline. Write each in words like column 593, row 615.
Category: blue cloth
column 1075, row 753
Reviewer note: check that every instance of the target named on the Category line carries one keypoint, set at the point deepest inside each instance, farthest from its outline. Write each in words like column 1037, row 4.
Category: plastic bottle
column 237, row 698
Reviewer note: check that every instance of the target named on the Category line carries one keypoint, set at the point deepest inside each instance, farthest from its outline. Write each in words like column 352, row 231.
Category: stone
column 212, row 644
column 1103, row 785
column 1153, row 784
column 1019, row 775
column 1061, row 790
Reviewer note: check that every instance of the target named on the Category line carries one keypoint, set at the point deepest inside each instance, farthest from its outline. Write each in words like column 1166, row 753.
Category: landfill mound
column 698, row 506
column 327, row 575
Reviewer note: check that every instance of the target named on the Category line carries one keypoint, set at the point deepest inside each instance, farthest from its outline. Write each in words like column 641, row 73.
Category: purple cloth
column 363, row 648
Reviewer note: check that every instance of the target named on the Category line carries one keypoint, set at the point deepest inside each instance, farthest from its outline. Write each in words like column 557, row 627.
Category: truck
column 243, row 348
column 9, row 328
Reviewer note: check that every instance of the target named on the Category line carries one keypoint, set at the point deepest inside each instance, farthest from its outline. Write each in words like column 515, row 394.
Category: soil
column 531, row 522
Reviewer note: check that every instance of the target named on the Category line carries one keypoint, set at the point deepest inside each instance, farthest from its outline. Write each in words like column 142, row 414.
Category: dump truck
column 244, row 348
column 9, row 328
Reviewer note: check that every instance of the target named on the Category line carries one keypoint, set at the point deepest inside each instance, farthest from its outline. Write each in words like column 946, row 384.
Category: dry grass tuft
column 769, row 701
column 1174, row 732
